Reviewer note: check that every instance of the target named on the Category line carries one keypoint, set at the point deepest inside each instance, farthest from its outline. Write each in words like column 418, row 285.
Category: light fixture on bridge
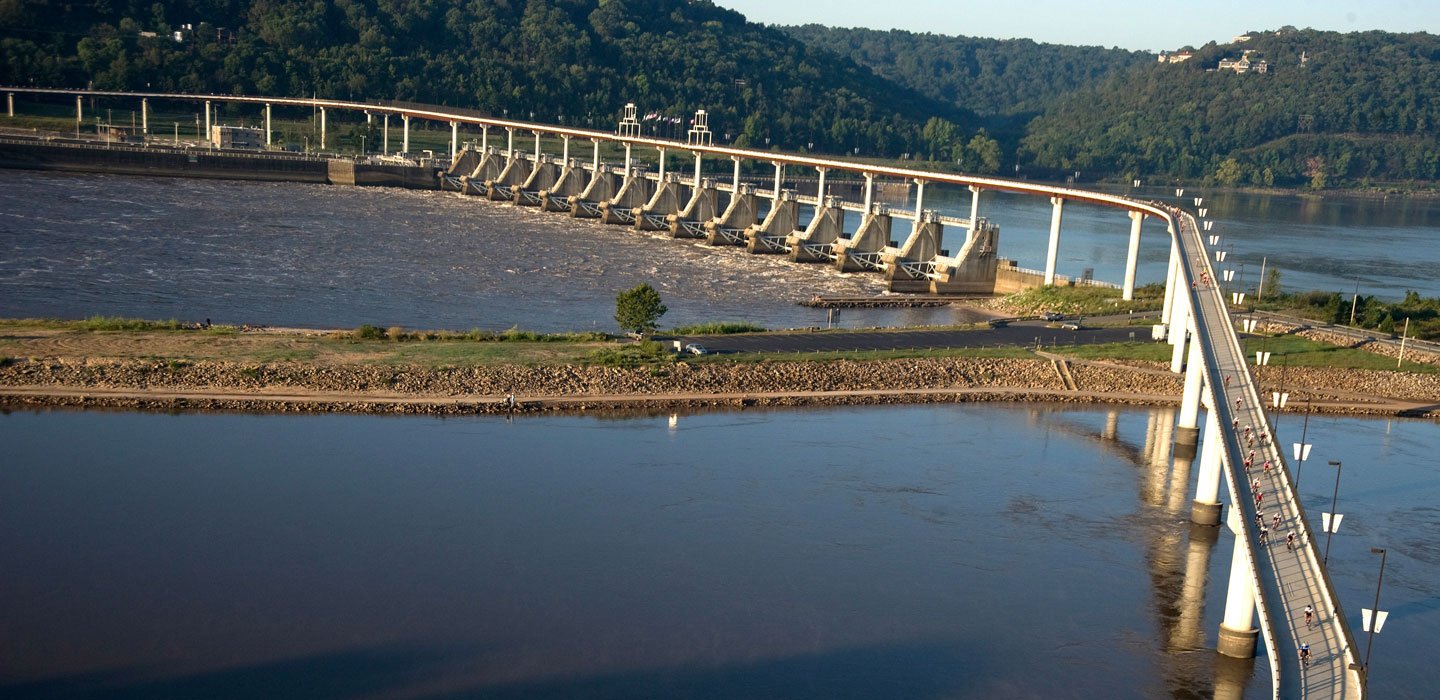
column 1229, row 275
column 1238, row 298
column 1209, row 225
column 1278, row 399
column 1220, row 255
column 1198, row 200
column 1203, row 212
column 1214, row 239
column 1262, row 358
column 1374, row 618
column 1302, row 448
column 1330, row 522
column 1249, row 325
column 1179, row 191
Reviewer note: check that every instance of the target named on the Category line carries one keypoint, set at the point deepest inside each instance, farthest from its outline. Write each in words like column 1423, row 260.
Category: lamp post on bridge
column 1302, row 448
column 1374, row 618
column 1331, row 521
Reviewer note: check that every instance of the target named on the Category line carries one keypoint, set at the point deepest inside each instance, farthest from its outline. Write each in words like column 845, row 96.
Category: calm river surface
column 919, row 552
column 321, row 256
column 956, row 551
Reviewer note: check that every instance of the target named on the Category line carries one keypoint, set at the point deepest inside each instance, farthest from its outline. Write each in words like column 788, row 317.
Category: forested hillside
column 580, row 60
column 1360, row 107
column 987, row 76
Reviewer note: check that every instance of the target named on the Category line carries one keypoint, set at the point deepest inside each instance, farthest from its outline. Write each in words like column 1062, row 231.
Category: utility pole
column 1260, row 288
column 1355, row 300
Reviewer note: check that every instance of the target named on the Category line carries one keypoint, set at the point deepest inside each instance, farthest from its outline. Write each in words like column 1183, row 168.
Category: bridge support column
column 385, row 136
column 779, row 175
column 537, row 148
column 869, row 194
column 1205, row 510
column 80, row 112
column 207, row 120
column 509, row 144
column 322, row 128
column 10, row 104
column 268, row 131
column 919, row 200
column 1132, row 257
column 1170, row 270
column 820, row 187
column 1181, row 314
column 662, row 164
column 595, row 157
column 485, row 139
column 1054, row 251
column 405, row 134
column 1187, row 433
column 627, row 161
column 1238, row 635
column 974, row 212
column 565, row 151
column 454, row 139
column 145, row 116
column 698, row 162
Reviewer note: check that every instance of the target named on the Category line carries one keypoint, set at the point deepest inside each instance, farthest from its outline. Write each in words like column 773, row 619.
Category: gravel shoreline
column 301, row 387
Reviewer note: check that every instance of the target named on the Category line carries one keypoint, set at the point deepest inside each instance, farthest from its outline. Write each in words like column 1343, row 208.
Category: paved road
column 1022, row 334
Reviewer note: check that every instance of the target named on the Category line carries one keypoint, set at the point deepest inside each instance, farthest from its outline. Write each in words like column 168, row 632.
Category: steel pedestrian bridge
column 1267, row 577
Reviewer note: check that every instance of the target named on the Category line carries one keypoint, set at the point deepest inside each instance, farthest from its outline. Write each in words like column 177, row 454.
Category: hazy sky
column 1147, row 25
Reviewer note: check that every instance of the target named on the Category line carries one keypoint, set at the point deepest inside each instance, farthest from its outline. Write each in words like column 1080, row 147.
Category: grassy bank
column 173, row 341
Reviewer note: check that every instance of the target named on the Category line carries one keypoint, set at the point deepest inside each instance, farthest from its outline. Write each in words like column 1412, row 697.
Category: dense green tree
column 638, row 309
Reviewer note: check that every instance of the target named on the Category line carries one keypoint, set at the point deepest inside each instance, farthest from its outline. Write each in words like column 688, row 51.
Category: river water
column 930, row 551
column 320, row 256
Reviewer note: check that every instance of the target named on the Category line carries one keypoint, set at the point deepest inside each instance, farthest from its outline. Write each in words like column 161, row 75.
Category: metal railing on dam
column 1276, row 581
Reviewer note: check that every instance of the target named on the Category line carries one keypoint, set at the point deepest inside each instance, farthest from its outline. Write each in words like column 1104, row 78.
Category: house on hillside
column 1244, row 64
column 1176, row 57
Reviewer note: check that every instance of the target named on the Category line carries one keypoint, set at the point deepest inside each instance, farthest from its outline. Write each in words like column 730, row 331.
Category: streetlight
column 1302, row 448
column 1278, row 399
column 1374, row 618
column 1331, row 520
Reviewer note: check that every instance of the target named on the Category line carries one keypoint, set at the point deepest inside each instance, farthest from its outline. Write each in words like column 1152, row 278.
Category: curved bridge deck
column 1285, row 580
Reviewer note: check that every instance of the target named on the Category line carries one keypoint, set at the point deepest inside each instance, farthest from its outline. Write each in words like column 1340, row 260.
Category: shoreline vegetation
column 169, row 365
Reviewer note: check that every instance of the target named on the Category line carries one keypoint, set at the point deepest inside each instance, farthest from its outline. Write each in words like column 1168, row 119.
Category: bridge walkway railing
column 1286, row 579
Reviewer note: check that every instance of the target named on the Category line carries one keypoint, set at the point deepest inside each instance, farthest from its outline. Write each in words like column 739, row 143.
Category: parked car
column 1072, row 326
column 1053, row 316
column 695, row 349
